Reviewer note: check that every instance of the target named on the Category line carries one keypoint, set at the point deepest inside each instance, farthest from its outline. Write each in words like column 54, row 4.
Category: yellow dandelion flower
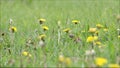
column 68, row 61
column 105, row 29
column 59, row 23
column 29, row 55
column 118, row 29
column 83, row 31
column 75, row 21
column 114, row 66
column 98, row 43
column 25, row 53
column 97, row 32
column 95, row 38
column 66, row 30
column 90, row 39
column 41, row 21
column 118, row 17
column 13, row 29
column 92, row 30
column 42, row 36
column 100, row 46
column 100, row 61
column 99, row 26
column 61, row 58
column 119, row 36
column 45, row 28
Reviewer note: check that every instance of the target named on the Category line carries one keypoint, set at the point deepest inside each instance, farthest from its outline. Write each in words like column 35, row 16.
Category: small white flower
column 11, row 21
column 118, row 29
column 1, row 39
column 41, row 43
column 90, row 52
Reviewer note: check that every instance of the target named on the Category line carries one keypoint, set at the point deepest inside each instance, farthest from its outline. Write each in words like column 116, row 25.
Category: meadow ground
column 59, row 33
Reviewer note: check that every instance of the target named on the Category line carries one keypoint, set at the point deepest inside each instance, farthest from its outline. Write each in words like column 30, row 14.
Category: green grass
column 25, row 15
